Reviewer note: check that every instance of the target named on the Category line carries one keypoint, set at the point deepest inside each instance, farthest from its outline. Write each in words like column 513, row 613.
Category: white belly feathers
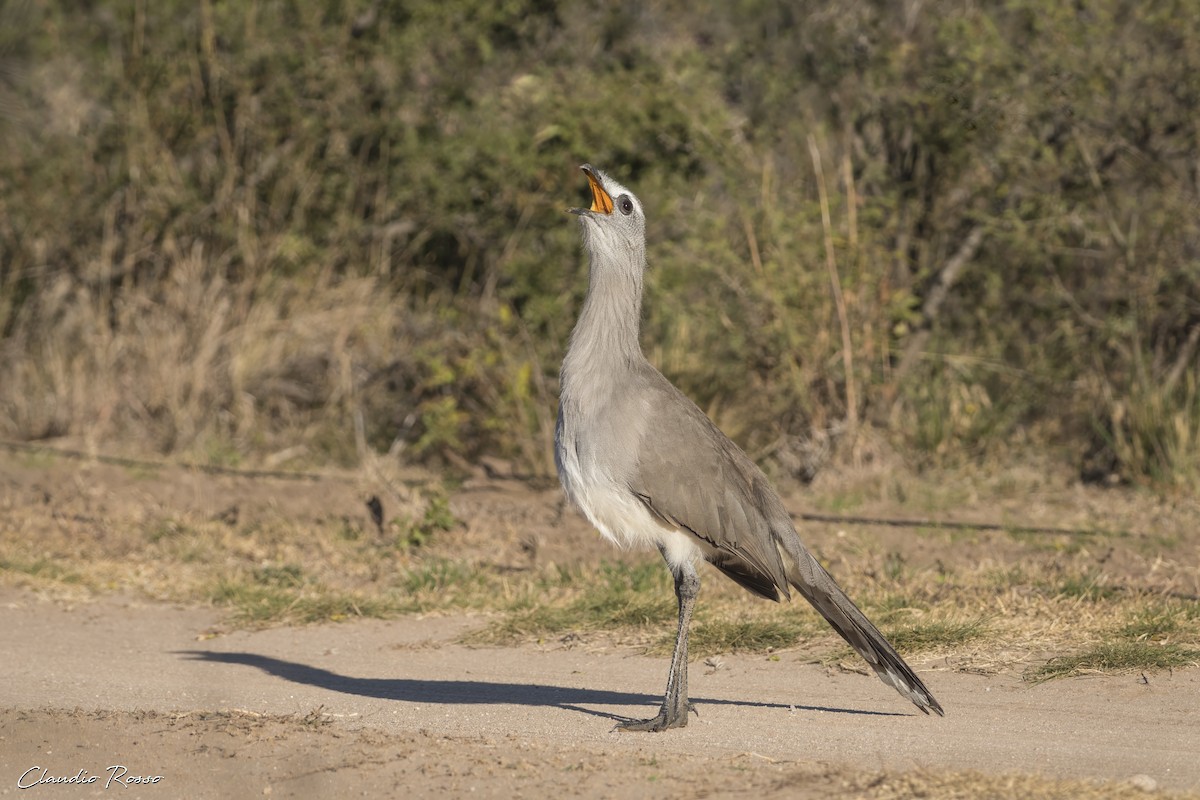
column 617, row 513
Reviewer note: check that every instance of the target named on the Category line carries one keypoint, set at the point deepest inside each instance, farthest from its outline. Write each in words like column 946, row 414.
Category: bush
column 235, row 227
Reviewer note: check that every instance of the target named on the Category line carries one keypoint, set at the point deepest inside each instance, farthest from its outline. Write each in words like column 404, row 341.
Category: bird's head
column 614, row 225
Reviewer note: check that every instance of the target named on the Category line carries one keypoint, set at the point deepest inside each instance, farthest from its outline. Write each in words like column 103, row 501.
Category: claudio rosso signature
column 117, row 774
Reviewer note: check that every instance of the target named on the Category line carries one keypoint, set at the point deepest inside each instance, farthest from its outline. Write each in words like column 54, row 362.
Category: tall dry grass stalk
column 839, row 300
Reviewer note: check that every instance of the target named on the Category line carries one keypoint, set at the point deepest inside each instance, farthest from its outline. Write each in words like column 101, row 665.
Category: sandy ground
column 376, row 706
column 115, row 686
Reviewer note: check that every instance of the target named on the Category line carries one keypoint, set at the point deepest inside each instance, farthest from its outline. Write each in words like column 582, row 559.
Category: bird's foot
column 667, row 718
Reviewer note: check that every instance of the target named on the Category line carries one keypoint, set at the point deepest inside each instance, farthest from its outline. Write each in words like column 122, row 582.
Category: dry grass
column 288, row 575
column 1119, row 656
column 283, row 360
column 278, row 553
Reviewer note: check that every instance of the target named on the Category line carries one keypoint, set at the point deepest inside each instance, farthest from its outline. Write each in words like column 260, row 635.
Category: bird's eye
column 625, row 204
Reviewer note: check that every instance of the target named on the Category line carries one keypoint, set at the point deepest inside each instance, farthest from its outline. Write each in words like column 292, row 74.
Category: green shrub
column 226, row 228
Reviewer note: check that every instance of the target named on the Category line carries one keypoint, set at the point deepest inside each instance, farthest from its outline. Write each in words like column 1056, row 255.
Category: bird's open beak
column 601, row 202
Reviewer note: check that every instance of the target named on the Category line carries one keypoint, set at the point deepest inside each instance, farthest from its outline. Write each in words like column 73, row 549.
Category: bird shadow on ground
column 476, row 692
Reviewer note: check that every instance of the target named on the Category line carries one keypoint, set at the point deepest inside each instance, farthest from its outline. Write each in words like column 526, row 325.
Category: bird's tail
column 820, row 589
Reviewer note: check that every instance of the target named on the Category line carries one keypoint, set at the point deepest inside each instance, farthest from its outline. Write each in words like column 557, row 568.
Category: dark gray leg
column 675, row 707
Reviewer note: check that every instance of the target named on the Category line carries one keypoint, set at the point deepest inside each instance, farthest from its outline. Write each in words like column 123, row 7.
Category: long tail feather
column 819, row 588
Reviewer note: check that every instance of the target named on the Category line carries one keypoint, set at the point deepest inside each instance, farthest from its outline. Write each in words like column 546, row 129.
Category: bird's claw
column 664, row 720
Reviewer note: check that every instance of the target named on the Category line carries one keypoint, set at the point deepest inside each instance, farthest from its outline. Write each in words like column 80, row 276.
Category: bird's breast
column 595, row 454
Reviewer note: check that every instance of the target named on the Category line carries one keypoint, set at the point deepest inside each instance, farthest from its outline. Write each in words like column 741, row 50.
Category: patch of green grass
column 348, row 531
column 439, row 576
column 557, row 620
column 255, row 603
column 616, row 596
column 286, row 594
column 921, row 638
column 1117, row 657
column 37, row 459
column 711, row 637
column 606, row 609
column 437, row 518
column 1040, row 542
column 251, row 602
column 893, row 566
column 533, row 622
column 1152, row 624
column 845, row 501
column 936, row 635
column 1083, row 586
column 218, row 451
column 1008, row 578
column 287, row 576
column 642, row 576
column 43, row 568
column 623, row 609
column 893, row 606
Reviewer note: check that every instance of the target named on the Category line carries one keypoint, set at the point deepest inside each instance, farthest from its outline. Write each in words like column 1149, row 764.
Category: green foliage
column 616, row 597
column 435, row 577
column 1153, row 428
column 1087, row 587
column 40, row 568
column 229, row 227
column 286, row 576
column 258, row 604
column 1118, row 657
column 714, row 636
column 1155, row 623
column 893, row 605
column 436, row 518
column 936, row 635
column 1156, row 633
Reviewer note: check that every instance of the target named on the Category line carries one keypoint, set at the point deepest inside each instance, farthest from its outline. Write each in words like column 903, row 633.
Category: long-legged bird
column 647, row 467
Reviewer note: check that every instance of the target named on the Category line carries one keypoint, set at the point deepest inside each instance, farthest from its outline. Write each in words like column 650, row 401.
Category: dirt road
column 378, row 706
column 97, row 676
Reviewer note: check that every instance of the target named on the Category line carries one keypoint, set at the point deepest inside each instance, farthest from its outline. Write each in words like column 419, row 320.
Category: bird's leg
column 675, row 707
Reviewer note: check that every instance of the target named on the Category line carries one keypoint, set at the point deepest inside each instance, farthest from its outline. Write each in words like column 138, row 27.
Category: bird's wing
column 691, row 476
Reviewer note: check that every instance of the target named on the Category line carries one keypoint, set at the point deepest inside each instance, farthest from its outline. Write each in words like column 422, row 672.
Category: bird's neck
column 605, row 339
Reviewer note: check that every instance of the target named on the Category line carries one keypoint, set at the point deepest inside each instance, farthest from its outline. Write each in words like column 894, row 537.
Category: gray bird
column 647, row 467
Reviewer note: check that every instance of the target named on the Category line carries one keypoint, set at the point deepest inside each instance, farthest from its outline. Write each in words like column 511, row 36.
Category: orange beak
column 601, row 202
